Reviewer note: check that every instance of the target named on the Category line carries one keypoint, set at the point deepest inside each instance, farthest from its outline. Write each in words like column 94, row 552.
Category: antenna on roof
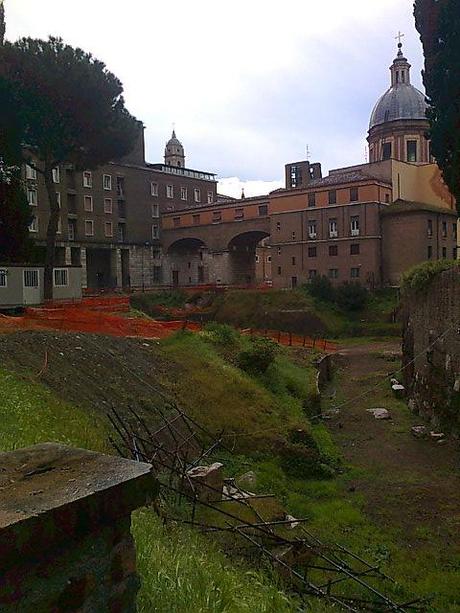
column 307, row 152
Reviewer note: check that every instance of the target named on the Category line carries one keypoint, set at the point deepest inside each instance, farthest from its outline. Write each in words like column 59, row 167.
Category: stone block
column 206, row 482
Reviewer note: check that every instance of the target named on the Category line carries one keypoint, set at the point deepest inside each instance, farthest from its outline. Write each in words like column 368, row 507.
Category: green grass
column 252, row 411
column 184, row 572
column 31, row 414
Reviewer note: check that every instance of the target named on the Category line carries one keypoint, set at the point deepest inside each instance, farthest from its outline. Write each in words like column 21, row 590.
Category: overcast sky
column 248, row 83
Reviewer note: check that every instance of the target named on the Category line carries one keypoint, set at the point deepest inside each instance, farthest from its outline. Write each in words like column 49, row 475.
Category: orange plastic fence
column 96, row 315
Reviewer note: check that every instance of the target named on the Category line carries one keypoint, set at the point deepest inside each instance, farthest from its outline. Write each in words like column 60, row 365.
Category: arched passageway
column 242, row 257
column 187, row 262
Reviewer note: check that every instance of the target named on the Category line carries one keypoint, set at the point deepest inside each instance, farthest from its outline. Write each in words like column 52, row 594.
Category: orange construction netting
column 99, row 316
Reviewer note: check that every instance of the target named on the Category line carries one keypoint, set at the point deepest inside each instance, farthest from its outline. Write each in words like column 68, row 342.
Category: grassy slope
column 289, row 310
column 180, row 571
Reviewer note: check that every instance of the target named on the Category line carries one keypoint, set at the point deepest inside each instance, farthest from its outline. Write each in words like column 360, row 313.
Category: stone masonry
column 431, row 350
column 65, row 542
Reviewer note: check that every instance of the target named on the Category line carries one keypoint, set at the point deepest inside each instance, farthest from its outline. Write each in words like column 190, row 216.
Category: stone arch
column 187, row 262
column 242, row 256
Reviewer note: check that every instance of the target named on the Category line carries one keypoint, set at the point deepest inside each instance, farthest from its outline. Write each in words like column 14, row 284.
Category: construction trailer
column 22, row 285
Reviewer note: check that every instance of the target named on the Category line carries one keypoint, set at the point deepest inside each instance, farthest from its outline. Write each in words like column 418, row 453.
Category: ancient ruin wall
column 431, row 350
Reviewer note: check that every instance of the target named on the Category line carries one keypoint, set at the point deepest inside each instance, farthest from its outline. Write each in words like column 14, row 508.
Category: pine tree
column 438, row 22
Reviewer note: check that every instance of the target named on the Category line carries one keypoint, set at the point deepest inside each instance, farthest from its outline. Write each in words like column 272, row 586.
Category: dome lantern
column 398, row 125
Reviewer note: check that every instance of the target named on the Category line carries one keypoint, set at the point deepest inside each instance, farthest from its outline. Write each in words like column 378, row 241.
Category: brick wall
column 431, row 350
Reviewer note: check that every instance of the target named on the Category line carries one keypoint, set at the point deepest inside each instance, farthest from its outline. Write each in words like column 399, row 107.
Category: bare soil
column 406, row 483
column 92, row 371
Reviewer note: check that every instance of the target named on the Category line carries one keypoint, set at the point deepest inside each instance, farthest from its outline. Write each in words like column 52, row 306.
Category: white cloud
column 248, row 84
column 233, row 186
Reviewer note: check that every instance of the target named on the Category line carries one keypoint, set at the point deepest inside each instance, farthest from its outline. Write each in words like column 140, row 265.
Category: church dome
column 174, row 141
column 400, row 102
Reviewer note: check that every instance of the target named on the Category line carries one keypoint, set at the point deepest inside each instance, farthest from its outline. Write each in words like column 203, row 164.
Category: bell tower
column 174, row 152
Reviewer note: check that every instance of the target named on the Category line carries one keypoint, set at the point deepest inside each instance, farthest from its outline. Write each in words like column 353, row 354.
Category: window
column 333, row 233
column 56, row 175
column 312, row 252
column 312, row 199
column 269, row 259
column 33, row 226
column 354, row 226
column 279, row 270
column 257, row 259
column 176, row 221
column 197, row 195
column 88, row 203
column 3, row 278
column 121, row 187
column 278, row 226
column 87, row 179
column 216, row 217
column 430, row 252
column 183, row 193
column 31, row 173
column 108, row 229
column 454, row 231
column 444, row 229
column 107, row 182
column 387, row 198
column 263, row 210
column 293, row 236
column 195, row 219
column 293, row 260
column 354, row 273
column 121, row 232
column 89, row 227
column 430, row 228
column 108, row 207
column 71, row 229
column 61, row 277
column 312, row 274
column 154, row 188
column 386, row 151
column 155, row 210
column 59, row 226
column 444, row 253
column 31, row 278
column 239, row 213
column 312, row 229
column 210, row 197
column 454, row 253
column 333, row 196
column 354, row 249
column 279, row 250
column 169, row 191
column 122, row 209
column 333, row 250
column 411, row 146
column 32, row 197
column 58, row 198
column 354, row 194
column 155, row 231
column 333, row 273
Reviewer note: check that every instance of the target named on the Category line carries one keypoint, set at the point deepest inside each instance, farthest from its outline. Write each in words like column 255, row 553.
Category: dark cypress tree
column 438, row 22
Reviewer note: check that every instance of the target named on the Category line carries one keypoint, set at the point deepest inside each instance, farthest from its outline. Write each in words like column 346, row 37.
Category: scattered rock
column 298, row 554
column 437, row 436
column 248, row 480
column 418, row 431
column 294, row 522
column 206, row 482
column 442, row 441
column 78, row 348
column 398, row 390
column 145, row 345
column 380, row 413
column 457, row 385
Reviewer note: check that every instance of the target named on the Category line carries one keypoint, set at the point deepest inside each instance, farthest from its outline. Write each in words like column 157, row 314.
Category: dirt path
column 407, row 484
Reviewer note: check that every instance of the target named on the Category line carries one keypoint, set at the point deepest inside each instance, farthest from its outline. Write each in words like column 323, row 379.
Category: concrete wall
column 65, row 537
column 422, row 183
column 431, row 350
